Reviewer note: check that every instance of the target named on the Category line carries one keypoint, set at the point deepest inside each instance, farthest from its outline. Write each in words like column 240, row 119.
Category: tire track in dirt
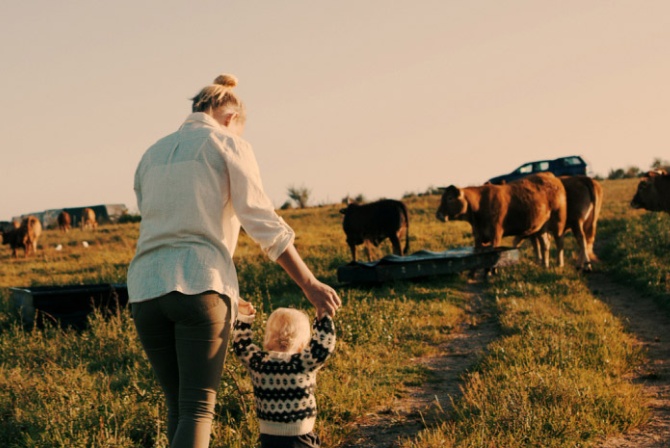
column 428, row 404
column 651, row 327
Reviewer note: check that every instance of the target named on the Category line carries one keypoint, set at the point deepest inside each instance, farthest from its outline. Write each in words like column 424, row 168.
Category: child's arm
column 322, row 344
column 242, row 333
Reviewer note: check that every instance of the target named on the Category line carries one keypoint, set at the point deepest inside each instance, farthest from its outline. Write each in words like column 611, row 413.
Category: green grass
column 556, row 377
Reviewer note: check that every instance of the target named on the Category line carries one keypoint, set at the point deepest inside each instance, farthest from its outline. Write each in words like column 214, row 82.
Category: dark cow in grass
column 64, row 221
column 24, row 236
column 653, row 192
column 529, row 207
column 374, row 222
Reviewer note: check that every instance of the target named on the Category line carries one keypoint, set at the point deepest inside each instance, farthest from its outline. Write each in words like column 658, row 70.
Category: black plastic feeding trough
column 426, row 263
column 67, row 306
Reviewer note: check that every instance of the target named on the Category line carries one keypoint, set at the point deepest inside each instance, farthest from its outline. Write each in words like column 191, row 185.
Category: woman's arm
column 323, row 297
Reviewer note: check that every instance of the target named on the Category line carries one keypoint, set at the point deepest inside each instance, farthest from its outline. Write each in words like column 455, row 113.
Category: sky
column 372, row 98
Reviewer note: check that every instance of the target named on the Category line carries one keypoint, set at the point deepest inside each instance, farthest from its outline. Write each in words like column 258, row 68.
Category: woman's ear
column 228, row 118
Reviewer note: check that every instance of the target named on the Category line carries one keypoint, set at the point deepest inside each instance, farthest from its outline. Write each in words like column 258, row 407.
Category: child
column 284, row 374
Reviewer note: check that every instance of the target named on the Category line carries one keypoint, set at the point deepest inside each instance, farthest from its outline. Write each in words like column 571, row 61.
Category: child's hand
column 246, row 308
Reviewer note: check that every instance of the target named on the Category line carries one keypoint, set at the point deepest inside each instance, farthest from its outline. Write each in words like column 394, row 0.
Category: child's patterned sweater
column 284, row 383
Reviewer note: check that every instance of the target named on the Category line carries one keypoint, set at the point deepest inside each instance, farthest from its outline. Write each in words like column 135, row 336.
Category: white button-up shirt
column 194, row 188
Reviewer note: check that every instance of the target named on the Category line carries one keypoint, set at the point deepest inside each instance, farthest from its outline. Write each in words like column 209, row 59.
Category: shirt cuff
column 280, row 244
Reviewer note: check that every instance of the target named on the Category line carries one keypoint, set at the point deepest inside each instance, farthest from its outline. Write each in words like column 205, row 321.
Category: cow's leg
column 395, row 242
column 590, row 236
column 583, row 261
column 352, row 247
column 559, row 249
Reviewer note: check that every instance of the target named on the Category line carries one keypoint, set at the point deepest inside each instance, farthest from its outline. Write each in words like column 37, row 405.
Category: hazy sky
column 378, row 98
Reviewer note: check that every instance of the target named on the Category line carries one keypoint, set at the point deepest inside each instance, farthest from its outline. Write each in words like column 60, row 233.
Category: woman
column 194, row 188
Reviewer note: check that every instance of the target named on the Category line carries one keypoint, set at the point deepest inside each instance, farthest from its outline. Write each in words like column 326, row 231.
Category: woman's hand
column 323, row 297
column 245, row 308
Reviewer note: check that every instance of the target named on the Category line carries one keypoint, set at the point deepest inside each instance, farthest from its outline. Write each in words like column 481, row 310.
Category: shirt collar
column 200, row 119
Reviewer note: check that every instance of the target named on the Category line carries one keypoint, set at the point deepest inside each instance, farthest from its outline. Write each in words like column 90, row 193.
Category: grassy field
column 556, row 376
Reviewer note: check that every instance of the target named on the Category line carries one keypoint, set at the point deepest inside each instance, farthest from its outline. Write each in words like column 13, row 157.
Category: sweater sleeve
column 242, row 339
column 322, row 344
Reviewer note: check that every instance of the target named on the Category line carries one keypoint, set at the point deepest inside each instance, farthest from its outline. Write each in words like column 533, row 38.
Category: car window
column 572, row 161
column 525, row 169
column 540, row 166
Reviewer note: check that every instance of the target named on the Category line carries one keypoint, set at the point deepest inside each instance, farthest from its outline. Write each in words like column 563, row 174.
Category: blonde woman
column 284, row 373
column 194, row 189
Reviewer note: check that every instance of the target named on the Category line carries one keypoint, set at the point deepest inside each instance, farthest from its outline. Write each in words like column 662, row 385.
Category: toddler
column 284, row 373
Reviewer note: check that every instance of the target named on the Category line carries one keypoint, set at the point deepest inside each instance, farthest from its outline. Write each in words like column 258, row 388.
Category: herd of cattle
column 532, row 208
column 24, row 234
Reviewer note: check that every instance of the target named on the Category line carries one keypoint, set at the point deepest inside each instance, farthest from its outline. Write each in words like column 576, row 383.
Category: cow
column 584, row 197
column 653, row 192
column 374, row 222
column 88, row 219
column 529, row 207
column 64, row 221
column 24, row 236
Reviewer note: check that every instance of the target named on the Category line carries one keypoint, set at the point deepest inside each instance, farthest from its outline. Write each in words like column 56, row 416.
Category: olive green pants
column 186, row 339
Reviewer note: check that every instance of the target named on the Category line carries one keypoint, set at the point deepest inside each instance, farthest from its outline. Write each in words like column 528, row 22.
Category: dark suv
column 560, row 167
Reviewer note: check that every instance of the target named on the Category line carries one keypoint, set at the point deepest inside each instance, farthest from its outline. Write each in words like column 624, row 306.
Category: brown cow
column 531, row 206
column 64, row 221
column 24, row 236
column 653, row 192
column 88, row 219
column 374, row 222
column 584, row 200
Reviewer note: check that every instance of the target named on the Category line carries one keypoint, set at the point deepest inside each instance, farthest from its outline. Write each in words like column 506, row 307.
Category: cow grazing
column 374, row 222
column 653, row 192
column 24, row 236
column 64, row 221
column 88, row 219
column 528, row 207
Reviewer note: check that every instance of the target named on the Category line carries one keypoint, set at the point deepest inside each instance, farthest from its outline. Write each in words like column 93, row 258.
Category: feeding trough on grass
column 68, row 306
column 426, row 263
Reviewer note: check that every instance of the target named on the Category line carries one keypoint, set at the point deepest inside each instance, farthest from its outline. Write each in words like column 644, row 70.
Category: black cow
column 374, row 222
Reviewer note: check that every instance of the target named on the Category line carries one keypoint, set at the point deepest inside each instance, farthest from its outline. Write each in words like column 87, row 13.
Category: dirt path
column 386, row 428
column 651, row 327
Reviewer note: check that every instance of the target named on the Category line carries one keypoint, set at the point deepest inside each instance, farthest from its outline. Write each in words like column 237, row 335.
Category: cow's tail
column 404, row 211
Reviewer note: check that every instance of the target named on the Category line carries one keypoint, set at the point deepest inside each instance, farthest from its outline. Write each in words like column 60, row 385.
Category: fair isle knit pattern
column 284, row 383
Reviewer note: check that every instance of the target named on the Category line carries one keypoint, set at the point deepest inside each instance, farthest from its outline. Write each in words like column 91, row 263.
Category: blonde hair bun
column 226, row 80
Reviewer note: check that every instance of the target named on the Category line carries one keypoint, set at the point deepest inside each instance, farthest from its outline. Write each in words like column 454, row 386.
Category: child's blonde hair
column 287, row 330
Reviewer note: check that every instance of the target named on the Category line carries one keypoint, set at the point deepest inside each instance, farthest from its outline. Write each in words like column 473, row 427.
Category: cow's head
column 349, row 208
column 452, row 204
column 646, row 196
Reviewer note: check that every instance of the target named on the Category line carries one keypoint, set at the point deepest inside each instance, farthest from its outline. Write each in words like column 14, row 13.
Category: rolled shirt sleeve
column 253, row 208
